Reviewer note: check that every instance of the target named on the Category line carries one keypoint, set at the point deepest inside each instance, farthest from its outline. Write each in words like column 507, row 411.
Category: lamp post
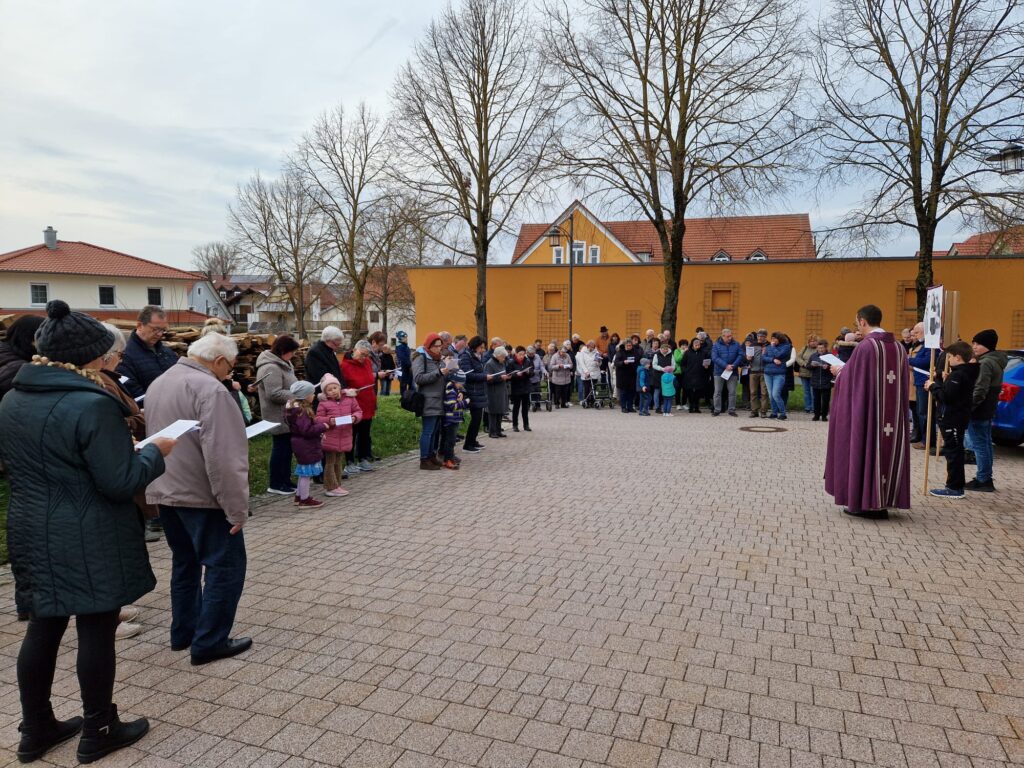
column 554, row 239
column 1010, row 158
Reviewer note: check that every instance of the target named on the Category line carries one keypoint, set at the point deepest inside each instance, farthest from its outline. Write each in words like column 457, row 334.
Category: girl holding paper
column 335, row 405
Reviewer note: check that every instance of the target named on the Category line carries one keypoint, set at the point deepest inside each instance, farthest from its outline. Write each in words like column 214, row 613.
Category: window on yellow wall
column 578, row 250
column 552, row 301
column 910, row 300
column 556, row 255
column 721, row 301
column 595, row 254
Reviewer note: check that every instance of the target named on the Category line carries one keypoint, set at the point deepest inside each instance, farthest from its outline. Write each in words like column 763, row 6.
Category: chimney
column 50, row 238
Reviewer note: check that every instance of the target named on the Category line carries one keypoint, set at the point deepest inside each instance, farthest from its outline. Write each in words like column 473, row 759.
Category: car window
column 1013, row 362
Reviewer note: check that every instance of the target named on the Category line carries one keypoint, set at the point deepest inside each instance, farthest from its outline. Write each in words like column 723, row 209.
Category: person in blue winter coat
column 726, row 357
column 776, row 355
column 403, row 355
column 643, row 387
column 472, row 364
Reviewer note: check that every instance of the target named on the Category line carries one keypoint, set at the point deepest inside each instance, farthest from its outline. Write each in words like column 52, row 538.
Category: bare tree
column 474, row 124
column 679, row 103
column 215, row 259
column 277, row 229
column 916, row 94
column 345, row 165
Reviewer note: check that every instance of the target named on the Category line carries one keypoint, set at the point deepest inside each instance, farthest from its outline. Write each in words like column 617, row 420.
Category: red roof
column 992, row 243
column 174, row 316
column 784, row 236
column 72, row 257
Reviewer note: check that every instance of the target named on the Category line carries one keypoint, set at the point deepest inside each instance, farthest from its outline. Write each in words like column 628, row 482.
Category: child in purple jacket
column 306, row 437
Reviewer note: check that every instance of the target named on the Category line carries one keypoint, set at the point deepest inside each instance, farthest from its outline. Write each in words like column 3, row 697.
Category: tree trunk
column 358, row 308
column 925, row 275
column 481, row 295
column 673, row 271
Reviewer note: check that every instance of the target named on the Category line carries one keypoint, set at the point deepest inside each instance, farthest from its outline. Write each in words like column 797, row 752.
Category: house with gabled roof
column 780, row 237
column 105, row 283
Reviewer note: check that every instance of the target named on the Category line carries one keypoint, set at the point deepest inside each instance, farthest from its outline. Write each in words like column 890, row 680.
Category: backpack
column 412, row 401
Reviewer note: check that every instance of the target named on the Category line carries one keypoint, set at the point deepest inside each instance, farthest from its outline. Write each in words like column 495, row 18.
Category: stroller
column 541, row 396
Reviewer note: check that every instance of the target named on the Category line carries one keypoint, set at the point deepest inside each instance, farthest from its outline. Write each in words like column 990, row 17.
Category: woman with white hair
column 497, row 392
column 357, row 369
column 323, row 356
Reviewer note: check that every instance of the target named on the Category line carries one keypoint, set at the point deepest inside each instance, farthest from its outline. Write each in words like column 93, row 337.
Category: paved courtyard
column 608, row 590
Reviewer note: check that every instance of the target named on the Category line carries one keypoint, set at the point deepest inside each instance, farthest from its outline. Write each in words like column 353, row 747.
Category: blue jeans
column 429, row 437
column 666, row 404
column 645, row 403
column 979, row 440
column 808, row 394
column 922, row 414
column 776, row 385
column 281, row 462
column 203, row 609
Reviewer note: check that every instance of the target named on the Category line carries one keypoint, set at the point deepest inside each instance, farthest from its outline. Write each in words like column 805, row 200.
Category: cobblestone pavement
column 607, row 590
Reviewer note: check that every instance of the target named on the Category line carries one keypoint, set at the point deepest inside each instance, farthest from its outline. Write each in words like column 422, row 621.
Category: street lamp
column 1010, row 158
column 554, row 239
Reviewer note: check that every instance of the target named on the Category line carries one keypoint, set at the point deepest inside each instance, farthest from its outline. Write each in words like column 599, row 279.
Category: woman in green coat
column 75, row 536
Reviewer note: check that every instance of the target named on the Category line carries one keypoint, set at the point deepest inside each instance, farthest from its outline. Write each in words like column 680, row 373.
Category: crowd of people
column 77, row 537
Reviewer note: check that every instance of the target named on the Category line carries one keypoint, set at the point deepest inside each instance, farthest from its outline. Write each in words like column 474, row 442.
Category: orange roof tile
column 174, row 316
column 779, row 237
column 73, row 257
column 992, row 243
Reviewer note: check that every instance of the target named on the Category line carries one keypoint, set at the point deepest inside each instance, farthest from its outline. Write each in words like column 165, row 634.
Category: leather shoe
column 869, row 514
column 178, row 647
column 226, row 650
column 39, row 738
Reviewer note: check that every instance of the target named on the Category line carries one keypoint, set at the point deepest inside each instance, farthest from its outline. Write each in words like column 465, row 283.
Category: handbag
column 412, row 401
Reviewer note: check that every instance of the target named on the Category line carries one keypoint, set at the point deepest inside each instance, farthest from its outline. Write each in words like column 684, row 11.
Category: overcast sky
column 128, row 124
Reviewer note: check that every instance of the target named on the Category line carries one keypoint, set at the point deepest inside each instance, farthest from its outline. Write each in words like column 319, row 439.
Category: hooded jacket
column 989, row 384
column 955, row 392
column 143, row 364
column 273, row 378
column 74, row 534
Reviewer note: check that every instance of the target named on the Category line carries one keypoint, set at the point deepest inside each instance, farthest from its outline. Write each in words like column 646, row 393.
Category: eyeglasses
column 158, row 330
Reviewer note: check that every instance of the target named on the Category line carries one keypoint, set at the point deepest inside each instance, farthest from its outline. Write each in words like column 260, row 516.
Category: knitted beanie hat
column 988, row 338
column 301, row 390
column 71, row 337
column 328, row 378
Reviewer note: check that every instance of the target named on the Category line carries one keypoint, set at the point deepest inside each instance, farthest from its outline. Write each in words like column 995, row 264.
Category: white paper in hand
column 123, row 379
column 726, row 374
column 259, row 428
column 341, row 421
column 831, row 360
column 174, row 431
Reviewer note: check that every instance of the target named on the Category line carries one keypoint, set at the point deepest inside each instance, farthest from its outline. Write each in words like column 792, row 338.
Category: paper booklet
column 123, row 379
column 922, row 371
column 831, row 360
column 726, row 374
column 340, row 421
column 259, row 428
column 175, row 430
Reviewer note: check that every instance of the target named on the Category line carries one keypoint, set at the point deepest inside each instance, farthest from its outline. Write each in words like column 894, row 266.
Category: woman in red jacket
column 357, row 370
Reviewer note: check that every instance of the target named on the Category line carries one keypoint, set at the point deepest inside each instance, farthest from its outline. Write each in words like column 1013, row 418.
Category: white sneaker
column 365, row 466
column 352, row 469
column 128, row 613
column 125, row 630
column 337, row 492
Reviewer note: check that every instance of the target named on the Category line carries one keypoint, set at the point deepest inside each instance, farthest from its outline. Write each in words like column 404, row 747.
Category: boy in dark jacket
column 821, row 382
column 955, row 393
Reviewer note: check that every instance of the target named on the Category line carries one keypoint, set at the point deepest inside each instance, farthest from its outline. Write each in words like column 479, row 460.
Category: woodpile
column 6, row 321
column 250, row 345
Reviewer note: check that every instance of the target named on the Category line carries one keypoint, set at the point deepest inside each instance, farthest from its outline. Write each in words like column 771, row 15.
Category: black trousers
column 473, row 430
column 822, row 400
column 361, row 446
column 521, row 403
column 96, row 664
column 693, row 399
column 560, row 394
column 494, row 423
column 953, row 450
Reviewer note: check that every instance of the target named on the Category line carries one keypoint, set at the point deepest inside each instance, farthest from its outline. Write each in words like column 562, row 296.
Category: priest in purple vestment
column 867, row 468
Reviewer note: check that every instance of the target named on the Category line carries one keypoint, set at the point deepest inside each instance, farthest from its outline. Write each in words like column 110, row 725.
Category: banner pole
column 928, row 424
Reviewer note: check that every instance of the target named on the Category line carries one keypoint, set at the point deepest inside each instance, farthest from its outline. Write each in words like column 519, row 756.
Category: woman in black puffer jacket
column 472, row 364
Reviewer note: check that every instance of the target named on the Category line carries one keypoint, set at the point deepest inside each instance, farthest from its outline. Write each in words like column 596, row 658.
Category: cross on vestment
column 888, row 430
column 891, row 376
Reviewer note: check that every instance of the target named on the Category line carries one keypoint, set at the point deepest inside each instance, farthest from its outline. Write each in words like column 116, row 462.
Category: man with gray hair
column 203, row 498
column 726, row 357
column 323, row 356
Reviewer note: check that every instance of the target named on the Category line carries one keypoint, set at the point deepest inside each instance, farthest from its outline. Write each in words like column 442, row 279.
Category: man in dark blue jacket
column 404, row 357
column 471, row 362
column 146, row 356
column 726, row 357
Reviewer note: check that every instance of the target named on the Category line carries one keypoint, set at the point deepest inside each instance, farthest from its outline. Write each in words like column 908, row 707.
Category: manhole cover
column 762, row 429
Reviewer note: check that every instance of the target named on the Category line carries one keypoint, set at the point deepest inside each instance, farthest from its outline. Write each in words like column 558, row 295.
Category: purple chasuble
column 868, row 462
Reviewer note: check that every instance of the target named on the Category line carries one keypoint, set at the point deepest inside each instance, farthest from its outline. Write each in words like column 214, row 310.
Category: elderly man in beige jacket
column 203, row 497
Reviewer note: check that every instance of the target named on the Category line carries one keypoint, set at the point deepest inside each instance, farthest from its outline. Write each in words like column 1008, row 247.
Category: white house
column 100, row 281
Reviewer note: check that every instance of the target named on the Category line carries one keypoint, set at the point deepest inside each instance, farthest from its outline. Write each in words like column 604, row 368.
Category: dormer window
column 721, row 256
column 644, row 256
column 758, row 255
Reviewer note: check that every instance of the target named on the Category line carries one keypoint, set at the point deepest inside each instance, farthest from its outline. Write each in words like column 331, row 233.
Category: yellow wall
column 586, row 232
column 796, row 297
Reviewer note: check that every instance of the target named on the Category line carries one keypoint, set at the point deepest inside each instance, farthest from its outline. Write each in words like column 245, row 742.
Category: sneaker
column 471, row 449
column 337, row 492
column 977, row 485
column 715, row 413
column 428, row 464
column 917, row 446
column 128, row 613
column 126, row 629
column 733, row 413
column 151, row 536
column 946, row 493
column 364, row 466
column 311, row 502
column 352, row 469
column 773, row 416
column 816, row 418
column 783, row 417
column 450, row 465
column 753, row 414
column 281, row 491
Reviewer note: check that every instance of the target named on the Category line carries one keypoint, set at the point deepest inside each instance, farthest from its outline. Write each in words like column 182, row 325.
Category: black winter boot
column 40, row 737
column 106, row 733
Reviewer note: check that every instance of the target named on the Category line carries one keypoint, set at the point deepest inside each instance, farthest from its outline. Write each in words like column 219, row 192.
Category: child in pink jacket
column 334, row 403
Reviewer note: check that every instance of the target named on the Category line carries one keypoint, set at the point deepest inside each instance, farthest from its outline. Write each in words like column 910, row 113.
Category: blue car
column 1008, row 425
